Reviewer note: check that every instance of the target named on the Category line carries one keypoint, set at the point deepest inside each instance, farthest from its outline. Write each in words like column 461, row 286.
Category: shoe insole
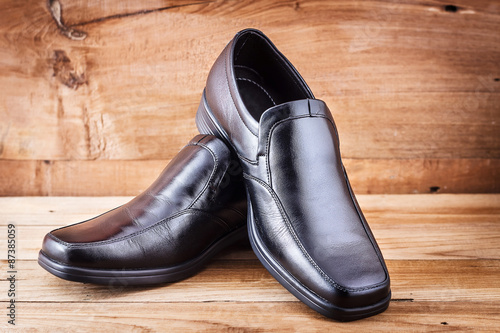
column 253, row 91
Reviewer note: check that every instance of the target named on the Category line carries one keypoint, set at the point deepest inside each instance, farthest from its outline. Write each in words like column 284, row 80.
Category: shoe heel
column 206, row 122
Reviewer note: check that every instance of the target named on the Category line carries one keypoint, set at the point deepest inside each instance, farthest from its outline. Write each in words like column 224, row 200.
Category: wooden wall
column 96, row 100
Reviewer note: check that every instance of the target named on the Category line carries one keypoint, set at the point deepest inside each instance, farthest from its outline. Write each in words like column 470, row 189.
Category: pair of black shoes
column 267, row 166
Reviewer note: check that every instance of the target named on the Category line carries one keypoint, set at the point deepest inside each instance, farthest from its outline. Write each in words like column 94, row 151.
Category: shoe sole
column 118, row 278
column 208, row 124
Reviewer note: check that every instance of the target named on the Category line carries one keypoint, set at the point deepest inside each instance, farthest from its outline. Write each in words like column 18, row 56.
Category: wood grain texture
column 408, row 83
column 246, row 280
column 417, row 227
column 252, row 317
column 117, row 177
column 442, row 252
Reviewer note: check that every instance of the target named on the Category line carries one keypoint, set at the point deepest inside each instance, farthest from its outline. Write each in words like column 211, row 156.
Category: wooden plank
column 372, row 176
column 248, row 281
column 435, row 227
column 443, row 226
column 81, row 178
column 433, row 289
column 400, row 176
column 397, row 89
column 252, row 317
column 83, row 12
column 33, row 212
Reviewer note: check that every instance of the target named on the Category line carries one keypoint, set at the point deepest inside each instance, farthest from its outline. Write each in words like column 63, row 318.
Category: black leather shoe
column 304, row 223
column 195, row 208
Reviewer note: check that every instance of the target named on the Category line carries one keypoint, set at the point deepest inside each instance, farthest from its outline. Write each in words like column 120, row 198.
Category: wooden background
column 96, row 99
column 413, row 86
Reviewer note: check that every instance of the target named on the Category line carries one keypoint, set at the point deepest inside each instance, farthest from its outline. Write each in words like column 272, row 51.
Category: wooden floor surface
column 442, row 251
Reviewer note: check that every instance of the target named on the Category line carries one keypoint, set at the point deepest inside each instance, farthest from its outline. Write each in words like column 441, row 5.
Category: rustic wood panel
column 155, row 80
column 407, row 83
column 452, row 287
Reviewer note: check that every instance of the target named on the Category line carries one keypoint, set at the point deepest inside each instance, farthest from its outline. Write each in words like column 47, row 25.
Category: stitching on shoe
column 213, row 176
column 365, row 224
column 56, row 239
column 135, row 234
column 297, row 240
column 87, row 220
column 250, row 69
column 247, row 159
column 188, row 208
column 299, row 243
column 214, row 156
column 257, row 227
column 266, row 154
column 258, row 85
column 294, row 236
column 276, row 124
column 114, row 240
column 209, row 181
column 139, row 269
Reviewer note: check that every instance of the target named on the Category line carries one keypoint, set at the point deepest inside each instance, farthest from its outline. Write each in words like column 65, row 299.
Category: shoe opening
column 264, row 77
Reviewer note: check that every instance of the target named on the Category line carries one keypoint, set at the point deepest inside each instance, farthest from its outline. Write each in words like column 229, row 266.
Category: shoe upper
column 244, row 82
column 304, row 210
column 197, row 199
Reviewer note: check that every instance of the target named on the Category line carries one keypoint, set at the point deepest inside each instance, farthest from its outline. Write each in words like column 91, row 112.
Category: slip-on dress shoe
column 195, row 208
column 304, row 222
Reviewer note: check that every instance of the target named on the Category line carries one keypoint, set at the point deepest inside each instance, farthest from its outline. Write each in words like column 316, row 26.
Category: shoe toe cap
column 56, row 249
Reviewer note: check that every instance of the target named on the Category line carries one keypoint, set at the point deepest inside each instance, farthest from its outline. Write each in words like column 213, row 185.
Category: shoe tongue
column 295, row 109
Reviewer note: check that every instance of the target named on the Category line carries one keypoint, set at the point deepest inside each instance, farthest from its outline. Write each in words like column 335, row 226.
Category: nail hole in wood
column 444, row 323
column 496, row 79
column 451, row 8
column 434, row 189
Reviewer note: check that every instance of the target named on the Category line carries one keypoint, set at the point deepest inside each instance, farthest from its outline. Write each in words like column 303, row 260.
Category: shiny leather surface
column 303, row 207
column 198, row 198
column 222, row 90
